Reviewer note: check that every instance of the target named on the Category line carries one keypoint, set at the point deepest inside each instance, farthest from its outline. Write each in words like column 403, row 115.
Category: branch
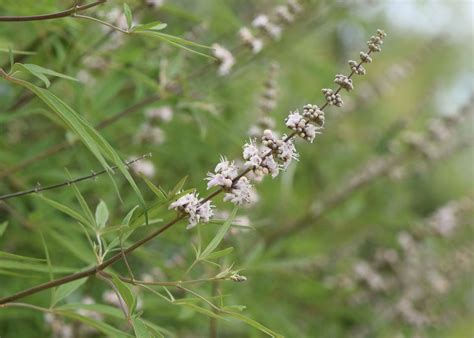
column 66, row 183
column 98, row 268
column 91, row 271
column 68, row 12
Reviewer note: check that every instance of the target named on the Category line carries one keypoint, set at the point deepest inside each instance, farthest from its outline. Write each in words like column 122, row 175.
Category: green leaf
column 66, row 289
column 101, row 214
column 75, row 245
column 175, row 41
column 99, row 147
column 84, row 206
column 157, row 191
column 140, row 328
column 3, row 227
column 41, row 72
column 254, row 324
column 33, row 72
column 219, row 236
column 100, row 308
column 128, row 217
column 220, row 253
column 199, row 309
column 178, row 186
column 99, row 325
column 12, row 58
column 128, row 15
column 65, row 209
column 126, row 294
column 50, row 72
column 43, row 268
column 7, row 255
column 152, row 26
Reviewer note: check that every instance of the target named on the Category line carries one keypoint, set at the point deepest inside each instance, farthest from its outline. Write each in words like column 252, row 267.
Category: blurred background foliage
column 317, row 282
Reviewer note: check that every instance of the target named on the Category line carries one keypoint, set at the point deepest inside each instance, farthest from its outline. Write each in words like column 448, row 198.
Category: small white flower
column 145, row 167
column 225, row 58
column 240, row 192
column 260, row 21
column 150, row 134
column 164, row 113
column 251, row 155
column 310, row 131
column 270, row 166
column 295, row 121
column 287, row 152
column 225, row 172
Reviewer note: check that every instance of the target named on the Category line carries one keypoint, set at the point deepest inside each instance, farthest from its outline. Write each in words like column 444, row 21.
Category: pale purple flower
column 240, row 192
column 223, row 174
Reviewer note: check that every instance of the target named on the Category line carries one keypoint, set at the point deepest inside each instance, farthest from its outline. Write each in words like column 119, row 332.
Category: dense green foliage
column 299, row 283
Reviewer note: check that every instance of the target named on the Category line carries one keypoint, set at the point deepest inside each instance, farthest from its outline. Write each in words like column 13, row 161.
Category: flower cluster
column 314, row 114
column 332, row 97
column 225, row 173
column 267, row 157
column 269, row 25
column 375, row 42
column 249, row 40
column 196, row 209
column 224, row 57
column 301, row 126
column 149, row 131
column 344, row 82
column 263, row 23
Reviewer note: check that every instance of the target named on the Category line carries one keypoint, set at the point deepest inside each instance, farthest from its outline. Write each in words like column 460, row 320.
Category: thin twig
column 68, row 12
column 66, row 183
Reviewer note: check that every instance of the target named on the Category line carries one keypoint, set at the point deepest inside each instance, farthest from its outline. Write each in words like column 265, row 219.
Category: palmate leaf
column 98, row 146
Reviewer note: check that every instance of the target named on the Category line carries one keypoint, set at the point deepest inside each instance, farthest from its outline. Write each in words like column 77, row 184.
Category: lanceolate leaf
column 99, row 147
column 3, row 227
column 66, row 289
column 140, row 329
column 107, row 329
column 126, row 293
column 101, row 214
column 219, row 236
